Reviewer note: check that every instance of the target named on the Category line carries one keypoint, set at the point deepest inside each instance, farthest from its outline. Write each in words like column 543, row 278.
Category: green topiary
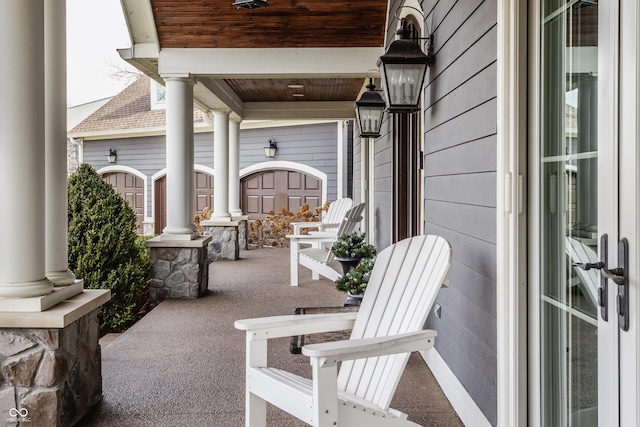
column 104, row 249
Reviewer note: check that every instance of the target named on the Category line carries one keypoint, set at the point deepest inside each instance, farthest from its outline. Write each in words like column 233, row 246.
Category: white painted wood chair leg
column 295, row 247
column 325, row 394
column 256, row 411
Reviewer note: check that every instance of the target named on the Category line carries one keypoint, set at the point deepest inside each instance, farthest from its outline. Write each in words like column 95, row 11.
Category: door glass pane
column 568, row 229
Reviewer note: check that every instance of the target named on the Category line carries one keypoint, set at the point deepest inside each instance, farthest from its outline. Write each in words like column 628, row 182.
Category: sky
column 95, row 30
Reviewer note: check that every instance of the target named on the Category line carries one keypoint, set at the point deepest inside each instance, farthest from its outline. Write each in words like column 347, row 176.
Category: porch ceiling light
column 111, row 157
column 250, row 4
column 270, row 150
column 369, row 111
column 402, row 70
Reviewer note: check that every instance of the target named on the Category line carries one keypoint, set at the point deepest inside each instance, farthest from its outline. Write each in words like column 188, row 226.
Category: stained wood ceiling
column 283, row 24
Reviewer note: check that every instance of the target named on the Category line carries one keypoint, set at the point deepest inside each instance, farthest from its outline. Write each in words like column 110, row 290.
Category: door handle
column 619, row 275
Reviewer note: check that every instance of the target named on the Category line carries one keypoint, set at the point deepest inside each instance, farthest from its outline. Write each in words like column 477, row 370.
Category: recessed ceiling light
column 298, row 94
column 295, row 86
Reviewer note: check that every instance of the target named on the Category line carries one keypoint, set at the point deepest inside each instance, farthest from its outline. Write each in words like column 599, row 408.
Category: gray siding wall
column 313, row 145
column 459, row 131
column 460, row 187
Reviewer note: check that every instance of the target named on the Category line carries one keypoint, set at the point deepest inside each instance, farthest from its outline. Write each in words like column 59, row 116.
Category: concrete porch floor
column 183, row 363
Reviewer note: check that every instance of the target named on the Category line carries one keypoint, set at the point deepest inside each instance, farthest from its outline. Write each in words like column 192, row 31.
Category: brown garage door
column 131, row 188
column 273, row 190
column 203, row 183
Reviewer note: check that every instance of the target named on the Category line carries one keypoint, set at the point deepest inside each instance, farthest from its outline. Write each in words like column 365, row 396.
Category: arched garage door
column 272, row 190
column 203, row 183
column 131, row 188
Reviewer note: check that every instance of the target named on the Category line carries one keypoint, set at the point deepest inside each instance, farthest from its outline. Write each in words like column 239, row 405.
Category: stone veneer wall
column 178, row 271
column 224, row 241
column 50, row 377
column 243, row 234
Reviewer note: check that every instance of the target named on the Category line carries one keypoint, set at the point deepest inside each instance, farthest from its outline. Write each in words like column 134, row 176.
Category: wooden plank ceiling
column 283, row 24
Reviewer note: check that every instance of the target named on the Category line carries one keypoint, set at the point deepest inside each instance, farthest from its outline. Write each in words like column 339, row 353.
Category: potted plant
column 350, row 249
column 355, row 281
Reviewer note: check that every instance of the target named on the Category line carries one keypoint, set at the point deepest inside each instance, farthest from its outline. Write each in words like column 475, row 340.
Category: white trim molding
column 464, row 405
column 511, row 284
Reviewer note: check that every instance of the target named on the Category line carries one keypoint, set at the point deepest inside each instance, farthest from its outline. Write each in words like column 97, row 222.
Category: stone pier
column 50, row 362
column 179, row 269
column 225, row 238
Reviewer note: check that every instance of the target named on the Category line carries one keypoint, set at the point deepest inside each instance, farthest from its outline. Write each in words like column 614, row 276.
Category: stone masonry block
column 7, row 401
column 49, row 338
column 43, row 407
column 20, row 370
column 12, row 343
column 53, row 370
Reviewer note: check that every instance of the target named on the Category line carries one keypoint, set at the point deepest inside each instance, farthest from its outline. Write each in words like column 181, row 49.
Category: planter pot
column 347, row 263
column 353, row 300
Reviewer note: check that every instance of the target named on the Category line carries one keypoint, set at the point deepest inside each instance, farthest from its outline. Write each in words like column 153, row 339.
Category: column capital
column 186, row 78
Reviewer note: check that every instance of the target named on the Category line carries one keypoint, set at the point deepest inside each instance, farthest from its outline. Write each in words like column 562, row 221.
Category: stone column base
column 179, row 269
column 243, row 231
column 50, row 363
column 224, row 239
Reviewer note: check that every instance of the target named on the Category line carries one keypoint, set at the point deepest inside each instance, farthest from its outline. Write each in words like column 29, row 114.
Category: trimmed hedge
column 104, row 249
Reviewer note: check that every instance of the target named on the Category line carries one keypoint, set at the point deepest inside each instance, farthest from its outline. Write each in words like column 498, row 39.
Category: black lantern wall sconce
column 369, row 111
column 403, row 68
column 111, row 157
column 270, row 150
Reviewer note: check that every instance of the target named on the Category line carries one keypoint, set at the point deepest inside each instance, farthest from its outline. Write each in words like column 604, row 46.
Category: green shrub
column 104, row 249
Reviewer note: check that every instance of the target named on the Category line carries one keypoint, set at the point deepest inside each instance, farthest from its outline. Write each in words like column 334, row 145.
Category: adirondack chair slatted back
column 403, row 286
column 336, row 212
column 348, row 225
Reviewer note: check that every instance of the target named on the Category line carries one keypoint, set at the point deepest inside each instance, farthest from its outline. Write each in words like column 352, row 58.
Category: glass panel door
column 568, row 212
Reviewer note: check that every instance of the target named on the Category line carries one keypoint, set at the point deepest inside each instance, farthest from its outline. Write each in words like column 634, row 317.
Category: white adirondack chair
column 389, row 325
column 330, row 220
column 318, row 258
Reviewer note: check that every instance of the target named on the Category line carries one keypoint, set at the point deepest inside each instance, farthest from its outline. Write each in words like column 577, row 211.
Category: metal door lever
column 619, row 275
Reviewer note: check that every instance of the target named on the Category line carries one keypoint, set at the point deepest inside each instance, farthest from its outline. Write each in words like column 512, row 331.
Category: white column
column 22, row 183
column 55, row 124
column 179, row 160
column 342, row 160
column 221, row 165
column 234, row 168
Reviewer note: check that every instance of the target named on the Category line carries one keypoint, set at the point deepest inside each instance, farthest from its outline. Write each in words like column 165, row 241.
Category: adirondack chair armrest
column 306, row 224
column 315, row 237
column 297, row 324
column 328, row 224
column 331, row 353
column 298, row 226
